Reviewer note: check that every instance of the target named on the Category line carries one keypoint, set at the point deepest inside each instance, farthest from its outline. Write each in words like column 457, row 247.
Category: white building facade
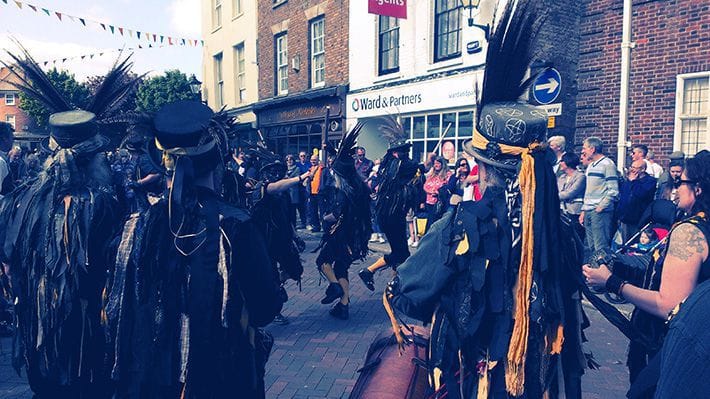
column 230, row 70
column 422, row 69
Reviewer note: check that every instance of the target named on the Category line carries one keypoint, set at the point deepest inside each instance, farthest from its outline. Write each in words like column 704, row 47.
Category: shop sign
column 452, row 92
column 389, row 8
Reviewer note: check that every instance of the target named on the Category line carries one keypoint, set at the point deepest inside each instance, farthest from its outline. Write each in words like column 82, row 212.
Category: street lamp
column 472, row 5
column 195, row 86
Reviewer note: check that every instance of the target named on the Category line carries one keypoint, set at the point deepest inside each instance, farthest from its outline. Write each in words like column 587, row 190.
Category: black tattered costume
column 497, row 278
column 54, row 237
column 192, row 282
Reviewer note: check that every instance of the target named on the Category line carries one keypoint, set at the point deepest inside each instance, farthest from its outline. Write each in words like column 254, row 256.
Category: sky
column 47, row 38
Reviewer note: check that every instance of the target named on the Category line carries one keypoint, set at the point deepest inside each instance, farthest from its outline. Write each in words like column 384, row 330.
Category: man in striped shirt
column 600, row 196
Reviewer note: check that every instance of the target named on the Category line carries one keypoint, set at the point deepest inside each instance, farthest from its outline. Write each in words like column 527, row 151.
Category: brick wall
column 671, row 38
column 21, row 118
column 558, row 44
column 295, row 12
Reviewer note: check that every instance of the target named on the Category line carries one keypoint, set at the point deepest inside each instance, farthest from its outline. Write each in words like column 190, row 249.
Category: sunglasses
column 463, row 165
column 679, row 182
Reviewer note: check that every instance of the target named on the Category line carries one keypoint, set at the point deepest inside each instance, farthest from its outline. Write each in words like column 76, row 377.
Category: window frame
column 12, row 96
column 446, row 15
column 11, row 122
column 216, row 14
column 280, row 39
column 384, row 37
column 680, row 116
column 312, row 54
column 237, row 8
column 240, row 73
column 218, row 70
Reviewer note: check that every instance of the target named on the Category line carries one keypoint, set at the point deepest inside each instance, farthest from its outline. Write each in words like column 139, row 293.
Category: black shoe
column 333, row 292
column 366, row 277
column 280, row 320
column 340, row 311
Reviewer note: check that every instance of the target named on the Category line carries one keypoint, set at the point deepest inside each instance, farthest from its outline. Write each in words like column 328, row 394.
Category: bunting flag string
column 140, row 35
column 99, row 54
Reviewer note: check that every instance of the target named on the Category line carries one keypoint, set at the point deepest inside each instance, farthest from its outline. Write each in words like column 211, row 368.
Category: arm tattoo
column 686, row 241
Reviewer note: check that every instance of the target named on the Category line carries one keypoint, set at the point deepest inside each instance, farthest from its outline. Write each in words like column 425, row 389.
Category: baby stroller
column 659, row 216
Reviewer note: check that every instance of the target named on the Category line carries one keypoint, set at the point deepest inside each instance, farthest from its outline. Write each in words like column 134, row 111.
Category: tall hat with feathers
column 505, row 125
column 510, row 135
column 70, row 126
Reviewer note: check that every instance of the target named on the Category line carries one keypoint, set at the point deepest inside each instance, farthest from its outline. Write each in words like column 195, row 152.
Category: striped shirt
column 602, row 185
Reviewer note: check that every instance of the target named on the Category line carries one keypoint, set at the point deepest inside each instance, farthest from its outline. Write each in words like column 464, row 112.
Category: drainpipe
column 626, row 46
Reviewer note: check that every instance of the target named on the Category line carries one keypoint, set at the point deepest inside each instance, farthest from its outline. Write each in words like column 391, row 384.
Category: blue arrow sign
column 547, row 86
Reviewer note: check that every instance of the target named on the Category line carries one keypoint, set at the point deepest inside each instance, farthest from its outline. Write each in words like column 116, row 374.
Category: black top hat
column 70, row 128
column 182, row 123
column 503, row 128
column 181, row 129
column 274, row 170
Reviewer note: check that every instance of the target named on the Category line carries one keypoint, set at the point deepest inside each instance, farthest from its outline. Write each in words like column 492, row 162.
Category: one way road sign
column 547, row 86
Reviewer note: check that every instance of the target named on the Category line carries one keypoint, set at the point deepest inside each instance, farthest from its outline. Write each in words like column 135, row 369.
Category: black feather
column 116, row 86
column 510, row 52
column 391, row 129
column 34, row 82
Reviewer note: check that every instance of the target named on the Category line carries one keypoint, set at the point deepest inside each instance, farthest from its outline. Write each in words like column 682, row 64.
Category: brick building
column 303, row 71
column 669, row 74
column 10, row 111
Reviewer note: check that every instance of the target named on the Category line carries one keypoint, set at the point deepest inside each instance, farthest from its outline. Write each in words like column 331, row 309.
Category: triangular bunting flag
column 44, row 63
column 54, row 62
column 170, row 40
column 91, row 56
column 183, row 42
column 100, row 54
column 112, row 28
column 73, row 19
column 161, row 38
column 102, row 25
column 64, row 60
column 150, row 46
column 46, row 11
column 120, row 30
column 83, row 22
column 138, row 34
column 59, row 15
column 19, row 5
column 32, row 7
column 203, row 42
column 83, row 56
column 130, row 33
column 4, row 1
column 155, row 37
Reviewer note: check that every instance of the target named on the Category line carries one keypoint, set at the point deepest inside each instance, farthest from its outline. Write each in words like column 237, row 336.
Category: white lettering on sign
column 552, row 109
column 449, row 92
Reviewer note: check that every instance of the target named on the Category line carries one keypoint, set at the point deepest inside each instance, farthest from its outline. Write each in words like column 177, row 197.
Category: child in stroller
column 634, row 257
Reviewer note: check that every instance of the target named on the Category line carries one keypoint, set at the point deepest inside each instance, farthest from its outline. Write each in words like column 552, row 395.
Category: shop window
column 281, row 64
column 218, row 81
column 692, row 127
column 388, row 45
column 449, row 120
column 418, row 127
column 317, row 49
column 447, row 30
column 433, row 126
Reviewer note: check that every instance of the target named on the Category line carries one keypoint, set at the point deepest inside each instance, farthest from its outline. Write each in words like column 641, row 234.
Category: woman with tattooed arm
column 678, row 268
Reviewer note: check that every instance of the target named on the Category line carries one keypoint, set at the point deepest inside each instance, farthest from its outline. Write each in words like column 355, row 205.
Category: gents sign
column 389, row 8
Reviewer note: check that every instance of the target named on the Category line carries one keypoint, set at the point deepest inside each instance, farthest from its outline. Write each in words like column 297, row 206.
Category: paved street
column 317, row 356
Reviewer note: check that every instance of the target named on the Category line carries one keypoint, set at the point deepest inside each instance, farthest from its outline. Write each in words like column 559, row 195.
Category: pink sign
column 390, row 8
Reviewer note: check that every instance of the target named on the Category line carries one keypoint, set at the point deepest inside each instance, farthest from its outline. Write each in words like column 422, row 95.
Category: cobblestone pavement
column 317, row 356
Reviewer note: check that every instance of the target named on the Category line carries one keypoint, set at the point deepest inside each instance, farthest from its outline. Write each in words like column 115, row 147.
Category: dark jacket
column 634, row 198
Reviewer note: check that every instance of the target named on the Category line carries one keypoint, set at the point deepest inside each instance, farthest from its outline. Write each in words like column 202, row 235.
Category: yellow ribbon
column 481, row 142
column 169, row 154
